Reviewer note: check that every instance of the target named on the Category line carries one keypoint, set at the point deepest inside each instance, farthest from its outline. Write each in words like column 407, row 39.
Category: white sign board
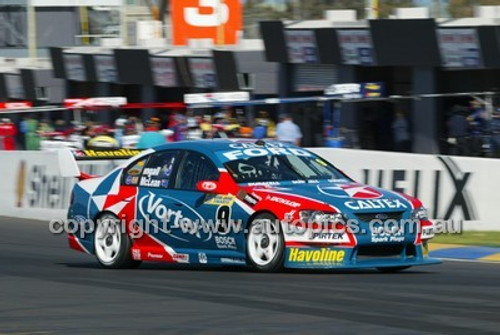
column 344, row 89
column 459, row 48
column 75, row 69
column 203, row 72
column 301, row 45
column 205, row 98
column 15, row 88
column 106, row 68
column 452, row 188
column 164, row 72
column 356, row 46
column 33, row 187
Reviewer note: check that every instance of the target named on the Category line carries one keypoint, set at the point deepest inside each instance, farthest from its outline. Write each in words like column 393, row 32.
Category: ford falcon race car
column 266, row 205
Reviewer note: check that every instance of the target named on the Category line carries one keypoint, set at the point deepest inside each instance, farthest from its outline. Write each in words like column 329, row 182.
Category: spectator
column 8, row 132
column 401, row 133
column 23, row 130
column 287, row 131
column 32, row 139
column 151, row 137
column 120, row 125
column 477, row 127
column 260, row 132
column 266, row 120
column 457, row 131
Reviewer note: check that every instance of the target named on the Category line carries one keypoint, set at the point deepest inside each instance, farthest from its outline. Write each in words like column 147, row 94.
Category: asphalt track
column 45, row 288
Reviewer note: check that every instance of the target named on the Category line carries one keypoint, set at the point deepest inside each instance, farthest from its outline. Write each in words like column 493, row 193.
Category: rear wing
column 67, row 159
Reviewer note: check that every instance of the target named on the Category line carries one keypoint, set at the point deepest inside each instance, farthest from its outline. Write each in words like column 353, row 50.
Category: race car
column 266, row 205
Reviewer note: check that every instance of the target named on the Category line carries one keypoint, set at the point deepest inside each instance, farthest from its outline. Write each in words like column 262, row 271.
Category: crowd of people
column 131, row 132
column 471, row 132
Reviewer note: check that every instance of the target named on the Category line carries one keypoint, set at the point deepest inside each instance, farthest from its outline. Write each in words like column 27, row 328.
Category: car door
column 210, row 213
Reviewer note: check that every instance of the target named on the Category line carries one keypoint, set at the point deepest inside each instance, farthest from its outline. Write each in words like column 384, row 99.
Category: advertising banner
column 15, row 88
column 203, row 72
column 218, row 20
column 459, row 48
column 106, row 68
column 164, row 72
column 302, row 47
column 75, row 69
column 452, row 188
column 33, row 187
column 356, row 46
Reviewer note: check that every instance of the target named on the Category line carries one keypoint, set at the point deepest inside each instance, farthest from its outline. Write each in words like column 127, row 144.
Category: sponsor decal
column 151, row 207
column 209, row 186
column 267, row 151
column 283, row 201
column 106, row 154
column 181, row 258
column 427, row 232
column 322, row 255
column 247, row 198
column 387, row 233
column 225, row 242
column 350, row 191
column 154, row 256
column 290, row 215
column 136, row 254
column 202, row 258
column 330, row 237
column 229, row 260
column 220, row 200
column 131, row 180
column 375, row 204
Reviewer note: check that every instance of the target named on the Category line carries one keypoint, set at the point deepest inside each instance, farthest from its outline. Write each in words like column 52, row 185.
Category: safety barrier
column 452, row 188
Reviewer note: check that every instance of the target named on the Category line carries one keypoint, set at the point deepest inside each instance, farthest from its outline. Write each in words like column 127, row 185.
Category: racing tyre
column 393, row 269
column 112, row 245
column 265, row 244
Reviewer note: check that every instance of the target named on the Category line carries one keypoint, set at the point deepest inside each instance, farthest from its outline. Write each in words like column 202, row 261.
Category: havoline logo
column 322, row 255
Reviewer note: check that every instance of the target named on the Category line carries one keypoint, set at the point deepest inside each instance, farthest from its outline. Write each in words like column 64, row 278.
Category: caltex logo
column 350, row 191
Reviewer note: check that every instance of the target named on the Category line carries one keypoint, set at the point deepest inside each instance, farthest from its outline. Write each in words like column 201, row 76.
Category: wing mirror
column 208, row 186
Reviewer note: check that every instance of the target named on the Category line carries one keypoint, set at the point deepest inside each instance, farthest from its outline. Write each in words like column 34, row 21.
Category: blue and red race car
column 267, row 205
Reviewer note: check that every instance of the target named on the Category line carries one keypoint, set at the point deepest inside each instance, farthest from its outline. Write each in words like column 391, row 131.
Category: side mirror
column 208, row 186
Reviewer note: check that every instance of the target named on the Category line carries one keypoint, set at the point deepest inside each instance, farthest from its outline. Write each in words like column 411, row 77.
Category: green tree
column 465, row 8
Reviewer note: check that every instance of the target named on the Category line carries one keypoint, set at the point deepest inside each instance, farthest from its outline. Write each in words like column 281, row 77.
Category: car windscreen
column 278, row 168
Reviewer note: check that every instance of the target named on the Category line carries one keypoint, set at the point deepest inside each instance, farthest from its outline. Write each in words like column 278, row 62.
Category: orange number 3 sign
column 219, row 20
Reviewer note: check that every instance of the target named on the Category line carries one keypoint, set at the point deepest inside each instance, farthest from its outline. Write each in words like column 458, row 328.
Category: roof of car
column 213, row 145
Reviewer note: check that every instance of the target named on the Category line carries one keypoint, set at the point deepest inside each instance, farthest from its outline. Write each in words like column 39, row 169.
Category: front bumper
column 329, row 257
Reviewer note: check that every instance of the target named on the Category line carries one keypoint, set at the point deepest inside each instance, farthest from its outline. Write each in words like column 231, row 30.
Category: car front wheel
column 265, row 243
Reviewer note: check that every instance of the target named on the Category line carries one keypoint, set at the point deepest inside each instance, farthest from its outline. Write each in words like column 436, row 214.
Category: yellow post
column 84, row 23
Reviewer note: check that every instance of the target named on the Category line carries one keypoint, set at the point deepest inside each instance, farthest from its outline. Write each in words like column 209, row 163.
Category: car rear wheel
column 112, row 245
column 393, row 269
column 265, row 244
